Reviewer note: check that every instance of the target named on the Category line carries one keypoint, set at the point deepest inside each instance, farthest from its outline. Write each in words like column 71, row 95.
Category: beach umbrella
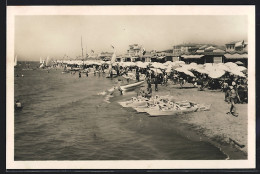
column 158, row 65
column 179, row 62
column 168, row 70
column 223, row 67
column 239, row 63
column 241, row 68
column 168, row 63
column 193, row 64
column 156, row 70
column 155, row 65
column 185, row 71
column 141, row 64
column 217, row 73
column 237, row 73
column 201, row 70
column 231, row 65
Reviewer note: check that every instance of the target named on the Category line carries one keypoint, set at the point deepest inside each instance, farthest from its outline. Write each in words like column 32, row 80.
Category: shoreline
column 214, row 126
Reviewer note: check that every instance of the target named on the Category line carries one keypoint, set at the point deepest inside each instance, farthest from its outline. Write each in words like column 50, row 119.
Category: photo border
column 126, row 163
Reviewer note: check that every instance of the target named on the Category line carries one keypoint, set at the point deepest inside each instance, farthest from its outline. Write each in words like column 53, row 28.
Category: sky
column 55, row 36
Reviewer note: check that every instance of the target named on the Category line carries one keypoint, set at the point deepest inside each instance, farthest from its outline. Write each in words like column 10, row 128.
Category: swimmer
column 18, row 104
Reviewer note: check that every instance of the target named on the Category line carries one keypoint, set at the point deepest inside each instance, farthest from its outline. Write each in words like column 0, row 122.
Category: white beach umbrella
column 223, row 67
column 185, row 71
column 237, row 73
column 217, row 73
column 241, row 68
column 156, row 70
column 179, row 62
column 231, row 65
column 141, row 64
column 168, row 70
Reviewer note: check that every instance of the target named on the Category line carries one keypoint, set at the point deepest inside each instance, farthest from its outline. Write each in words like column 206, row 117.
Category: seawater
column 64, row 118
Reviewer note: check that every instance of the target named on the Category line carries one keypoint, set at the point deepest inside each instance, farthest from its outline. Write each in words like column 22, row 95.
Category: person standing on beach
column 225, row 90
column 99, row 71
column 111, row 73
column 156, row 82
column 232, row 101
column 87, row 72
column 165, row 79
column 149, row 93
column 137, row 76
column 79, row 74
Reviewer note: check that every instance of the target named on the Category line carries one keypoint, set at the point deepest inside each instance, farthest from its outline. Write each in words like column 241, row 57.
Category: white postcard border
column 12, row 11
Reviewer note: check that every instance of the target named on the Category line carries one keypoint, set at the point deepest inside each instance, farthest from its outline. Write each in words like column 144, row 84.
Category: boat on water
column 134, row 103
column 155, row 112
column 131, row 86
column 140, row 109
column 163, row 106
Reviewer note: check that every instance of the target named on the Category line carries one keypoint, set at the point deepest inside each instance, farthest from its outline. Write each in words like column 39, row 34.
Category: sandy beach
column 219, row 128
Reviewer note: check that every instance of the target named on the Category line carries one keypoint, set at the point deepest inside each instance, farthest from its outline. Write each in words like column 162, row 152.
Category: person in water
column 18, row 104
column 148, row 94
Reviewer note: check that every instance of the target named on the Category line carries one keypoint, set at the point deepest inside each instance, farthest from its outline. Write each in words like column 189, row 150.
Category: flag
column 143, row 52
column 243, row 44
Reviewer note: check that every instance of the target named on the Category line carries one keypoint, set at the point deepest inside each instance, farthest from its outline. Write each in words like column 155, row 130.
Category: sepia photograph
column 130, row 87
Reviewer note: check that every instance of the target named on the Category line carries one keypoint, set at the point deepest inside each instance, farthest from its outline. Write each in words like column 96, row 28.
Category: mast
column 82, row 51
column 81, row 47
column 86, row 52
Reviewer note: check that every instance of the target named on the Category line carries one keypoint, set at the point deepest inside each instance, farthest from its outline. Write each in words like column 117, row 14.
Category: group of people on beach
column 234, row 87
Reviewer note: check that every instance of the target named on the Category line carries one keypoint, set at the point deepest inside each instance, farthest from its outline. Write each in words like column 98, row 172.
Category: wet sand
column 223, row 130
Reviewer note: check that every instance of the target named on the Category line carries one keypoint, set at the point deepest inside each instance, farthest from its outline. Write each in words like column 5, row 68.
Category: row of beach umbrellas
column 212, row 70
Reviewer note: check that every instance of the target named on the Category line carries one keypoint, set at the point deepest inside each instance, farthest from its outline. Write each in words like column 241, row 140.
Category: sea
column 65, row 117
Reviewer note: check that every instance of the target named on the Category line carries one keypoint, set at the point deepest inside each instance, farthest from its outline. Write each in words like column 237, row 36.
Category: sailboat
column 41, row 63
column 47, row 63
column 111, row 71
column 15, row 61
